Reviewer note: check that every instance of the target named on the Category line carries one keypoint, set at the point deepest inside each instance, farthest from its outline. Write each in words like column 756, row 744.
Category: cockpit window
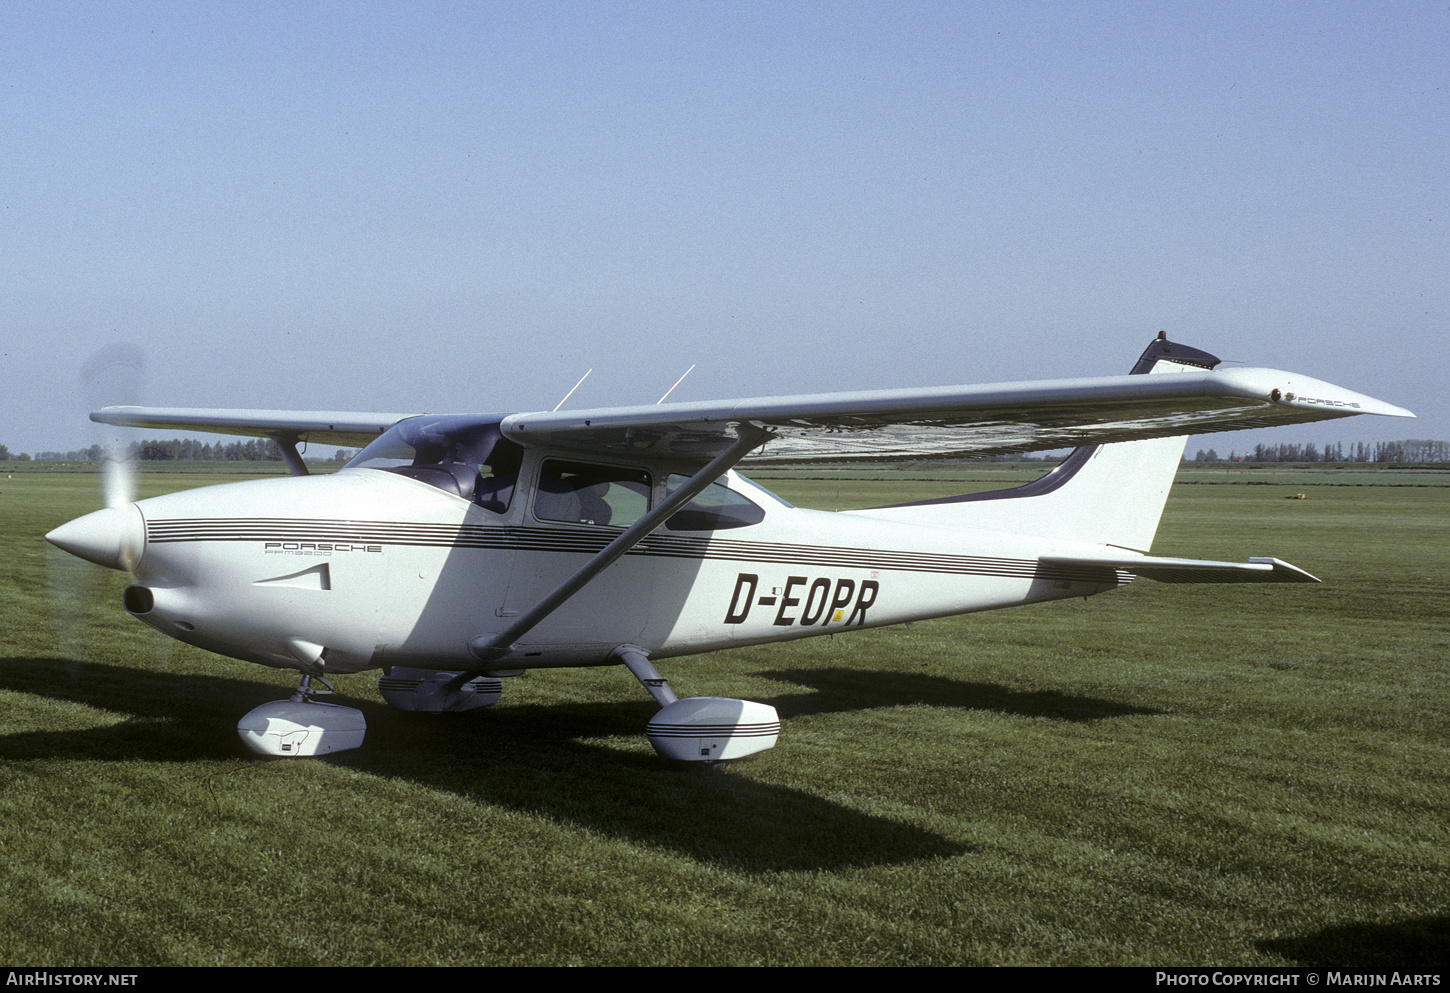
column 584, row 493
column 463, row 455
column 715, row 509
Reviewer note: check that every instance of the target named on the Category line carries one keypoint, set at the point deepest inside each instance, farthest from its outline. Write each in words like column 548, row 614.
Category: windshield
column 461, row 454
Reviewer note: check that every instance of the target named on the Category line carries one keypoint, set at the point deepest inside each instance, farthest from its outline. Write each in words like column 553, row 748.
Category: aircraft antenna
column 677, row 383
column 571, row 392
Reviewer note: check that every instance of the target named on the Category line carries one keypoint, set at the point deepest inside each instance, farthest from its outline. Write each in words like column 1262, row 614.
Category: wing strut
column 288, row 444
column 492, row 648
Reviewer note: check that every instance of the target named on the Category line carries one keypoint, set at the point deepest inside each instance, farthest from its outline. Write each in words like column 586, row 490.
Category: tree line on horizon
column 1408, row 450
column 174, row 450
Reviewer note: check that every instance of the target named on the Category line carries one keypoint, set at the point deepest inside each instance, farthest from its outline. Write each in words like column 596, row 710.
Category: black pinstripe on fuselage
column 587, row 541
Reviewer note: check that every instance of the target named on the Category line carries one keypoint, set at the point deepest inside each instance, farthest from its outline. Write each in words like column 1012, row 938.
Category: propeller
column 115, row 535
column 115, row 375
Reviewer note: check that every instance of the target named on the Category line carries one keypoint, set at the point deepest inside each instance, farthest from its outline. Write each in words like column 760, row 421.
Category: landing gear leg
column 637, row 662
column 305, row 691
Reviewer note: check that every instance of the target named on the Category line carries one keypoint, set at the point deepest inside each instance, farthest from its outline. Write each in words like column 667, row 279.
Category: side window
column 497, row 476
column 716, row 508
column 582, row 493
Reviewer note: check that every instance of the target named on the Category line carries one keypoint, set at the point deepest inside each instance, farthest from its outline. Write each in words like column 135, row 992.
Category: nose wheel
column 302, row 726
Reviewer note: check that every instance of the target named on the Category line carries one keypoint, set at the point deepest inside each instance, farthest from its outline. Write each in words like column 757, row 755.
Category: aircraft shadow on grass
column 531, row 758
column 1419, row 945
column 842, row 689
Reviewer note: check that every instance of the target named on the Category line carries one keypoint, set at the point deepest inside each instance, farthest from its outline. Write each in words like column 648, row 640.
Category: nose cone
column 113, row 537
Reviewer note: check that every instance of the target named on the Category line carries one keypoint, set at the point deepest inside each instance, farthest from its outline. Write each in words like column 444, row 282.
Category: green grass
column 1163, row 775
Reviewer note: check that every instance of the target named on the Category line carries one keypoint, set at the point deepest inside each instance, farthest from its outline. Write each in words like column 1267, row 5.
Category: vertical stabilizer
column 1101, row 494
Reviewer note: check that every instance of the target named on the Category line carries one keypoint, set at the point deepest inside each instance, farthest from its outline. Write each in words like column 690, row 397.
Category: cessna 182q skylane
column 456, row 550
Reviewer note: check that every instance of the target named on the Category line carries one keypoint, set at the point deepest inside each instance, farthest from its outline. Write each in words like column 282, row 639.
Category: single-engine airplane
column 454, row 551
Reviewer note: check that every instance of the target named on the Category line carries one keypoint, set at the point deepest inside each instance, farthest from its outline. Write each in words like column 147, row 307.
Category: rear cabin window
column 716, row 508
column 584, row 493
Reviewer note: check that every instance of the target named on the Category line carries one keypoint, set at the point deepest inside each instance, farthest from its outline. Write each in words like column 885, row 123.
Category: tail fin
column 1101, row 494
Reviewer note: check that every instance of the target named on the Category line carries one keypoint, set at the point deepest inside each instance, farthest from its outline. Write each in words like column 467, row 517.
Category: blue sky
column 462, row 207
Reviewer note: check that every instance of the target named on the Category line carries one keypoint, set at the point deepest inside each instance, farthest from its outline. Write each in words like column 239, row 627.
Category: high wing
column 323, row 427
column 956, row 421
column 940, row 422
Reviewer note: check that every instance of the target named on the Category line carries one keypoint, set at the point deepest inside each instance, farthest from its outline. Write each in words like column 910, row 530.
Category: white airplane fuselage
column 365, row 569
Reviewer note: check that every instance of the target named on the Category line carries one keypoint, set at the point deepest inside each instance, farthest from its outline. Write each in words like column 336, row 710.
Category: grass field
column 1163, row 775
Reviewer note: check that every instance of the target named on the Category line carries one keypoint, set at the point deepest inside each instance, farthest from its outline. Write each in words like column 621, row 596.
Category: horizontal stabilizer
column 1169, row 570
